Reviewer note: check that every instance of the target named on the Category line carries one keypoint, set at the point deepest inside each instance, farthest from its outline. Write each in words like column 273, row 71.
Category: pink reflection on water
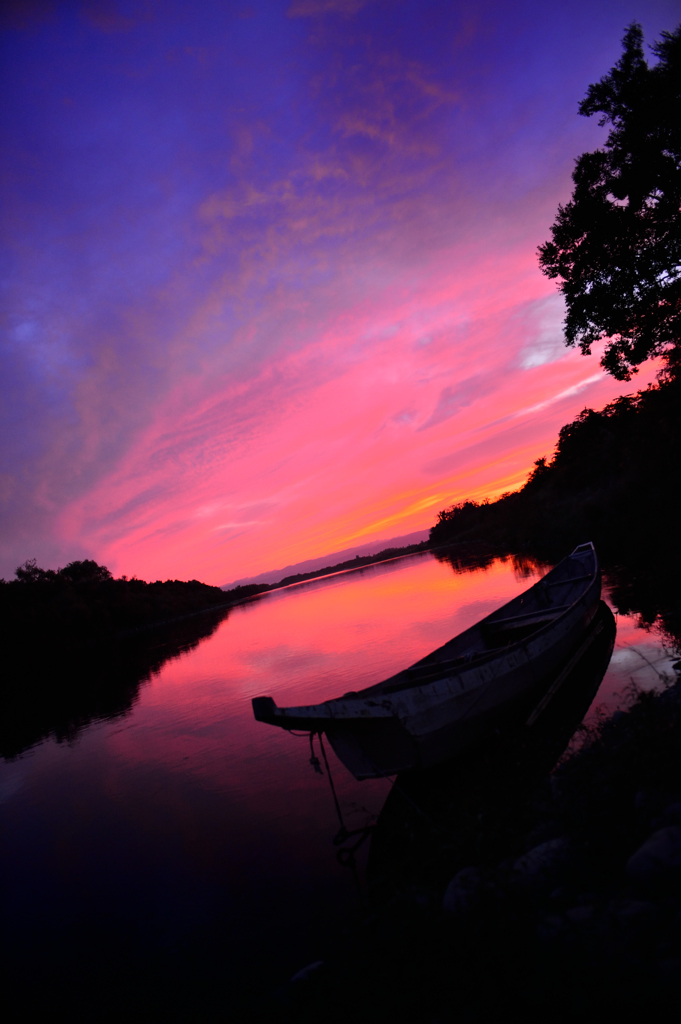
column 315, row 641
column 641, row 661
column 300, row 645
column 213, row 828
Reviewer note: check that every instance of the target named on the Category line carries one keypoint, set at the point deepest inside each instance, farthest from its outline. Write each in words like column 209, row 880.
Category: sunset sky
column 269, row 269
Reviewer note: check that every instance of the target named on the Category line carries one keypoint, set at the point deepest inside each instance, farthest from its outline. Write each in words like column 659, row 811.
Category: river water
column 183, row 846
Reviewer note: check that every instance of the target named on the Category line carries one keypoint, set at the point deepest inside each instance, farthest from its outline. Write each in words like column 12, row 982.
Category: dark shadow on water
column 60, row 694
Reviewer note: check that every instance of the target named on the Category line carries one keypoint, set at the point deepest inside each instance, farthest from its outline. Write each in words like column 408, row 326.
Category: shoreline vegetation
column 609, row 481
column 82, row 605
column 541, row 877
column 526, row 872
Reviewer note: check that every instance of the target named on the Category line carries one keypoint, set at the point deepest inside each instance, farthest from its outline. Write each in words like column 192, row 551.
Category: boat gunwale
column 368, row 704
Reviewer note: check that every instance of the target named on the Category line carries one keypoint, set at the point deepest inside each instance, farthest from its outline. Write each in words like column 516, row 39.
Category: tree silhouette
column 616, row 246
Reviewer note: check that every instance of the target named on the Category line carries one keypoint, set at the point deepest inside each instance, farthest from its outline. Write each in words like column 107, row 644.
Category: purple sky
column 269, row 269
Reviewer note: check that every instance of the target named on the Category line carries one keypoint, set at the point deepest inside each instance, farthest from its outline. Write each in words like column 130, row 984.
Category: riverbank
column 80, row 644
column 358, row 562
column 551, row 897
column 82, row 605
column 610, row 481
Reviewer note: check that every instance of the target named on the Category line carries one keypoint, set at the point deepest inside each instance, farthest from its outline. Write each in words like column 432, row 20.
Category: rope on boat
column 344, row 833
column 314, row 760
column 343, row 830
column 346, row 855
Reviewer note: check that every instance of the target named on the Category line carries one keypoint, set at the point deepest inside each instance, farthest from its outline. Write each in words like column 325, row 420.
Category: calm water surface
column 186, row 840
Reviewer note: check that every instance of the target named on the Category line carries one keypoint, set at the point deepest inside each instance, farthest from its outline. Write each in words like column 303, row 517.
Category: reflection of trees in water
column 478, row 558
column 63, row 693
column 646, row 583
column 466, row 557
column 642, row 576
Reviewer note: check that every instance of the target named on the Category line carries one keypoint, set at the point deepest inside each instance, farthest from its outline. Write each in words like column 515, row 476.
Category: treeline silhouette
column 351, row 563
column 79, row 644
column 82, row 605
column 611, row 476
column 610, row 480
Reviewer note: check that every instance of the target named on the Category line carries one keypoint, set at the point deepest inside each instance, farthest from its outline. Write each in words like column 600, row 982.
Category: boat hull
column 454, row 697
column 435, row 723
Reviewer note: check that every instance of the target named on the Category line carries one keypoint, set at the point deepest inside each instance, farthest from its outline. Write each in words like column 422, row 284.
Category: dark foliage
column 611, row 480
column 82, row 604
column 616, row 246
column 79, row 643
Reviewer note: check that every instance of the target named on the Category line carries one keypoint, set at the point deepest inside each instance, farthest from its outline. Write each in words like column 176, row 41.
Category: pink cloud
column 275, row 283
column 393, row 411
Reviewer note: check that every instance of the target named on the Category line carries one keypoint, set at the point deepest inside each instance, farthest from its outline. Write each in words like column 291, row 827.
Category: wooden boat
column 460, row 692
column 447, row 799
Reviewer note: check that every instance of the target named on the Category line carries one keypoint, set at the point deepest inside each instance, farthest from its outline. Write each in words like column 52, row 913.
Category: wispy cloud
column 317, row 8
column 272, row 278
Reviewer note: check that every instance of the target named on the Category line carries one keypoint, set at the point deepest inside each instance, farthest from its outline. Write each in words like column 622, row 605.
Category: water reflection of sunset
column 308, row 643
column 212, row 829
column 302, row 644
column 357, row 627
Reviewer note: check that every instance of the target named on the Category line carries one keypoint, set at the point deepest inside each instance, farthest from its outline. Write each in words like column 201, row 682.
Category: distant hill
column 334, row 558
